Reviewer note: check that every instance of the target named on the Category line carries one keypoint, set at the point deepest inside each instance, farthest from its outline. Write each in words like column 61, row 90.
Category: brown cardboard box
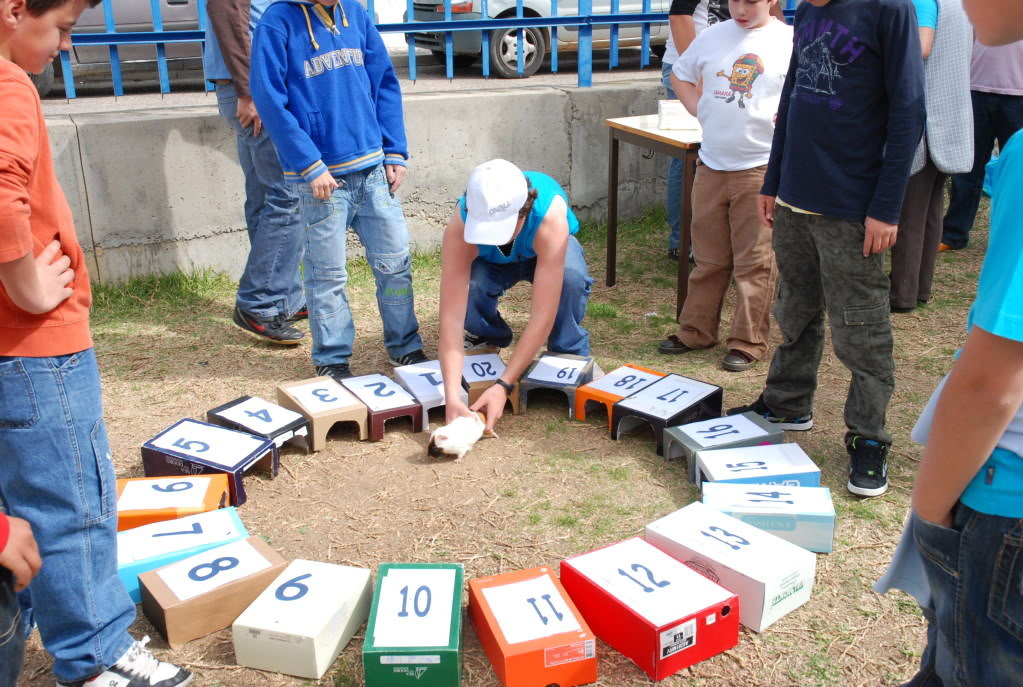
column 195, row 596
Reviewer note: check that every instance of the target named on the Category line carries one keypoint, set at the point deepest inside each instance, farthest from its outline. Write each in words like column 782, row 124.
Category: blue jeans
column 12, row 641
column 271, row 283
column 975, row 624
column 671, row 202
column 995, row 116
column 363, row 201
column 488, row 281
column 56, row 472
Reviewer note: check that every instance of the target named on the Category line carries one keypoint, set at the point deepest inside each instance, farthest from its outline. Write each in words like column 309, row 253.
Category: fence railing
column 584, row 23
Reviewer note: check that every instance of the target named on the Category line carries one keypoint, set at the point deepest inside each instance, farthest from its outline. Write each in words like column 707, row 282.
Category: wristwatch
column 509, row 388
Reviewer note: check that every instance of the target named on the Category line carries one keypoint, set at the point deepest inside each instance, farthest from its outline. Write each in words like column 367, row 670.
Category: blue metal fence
column 585, row 21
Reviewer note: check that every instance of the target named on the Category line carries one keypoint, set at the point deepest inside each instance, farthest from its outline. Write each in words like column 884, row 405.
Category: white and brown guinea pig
column 458, row 437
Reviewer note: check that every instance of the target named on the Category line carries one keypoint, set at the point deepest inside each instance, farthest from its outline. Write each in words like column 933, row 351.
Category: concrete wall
column 160, row 190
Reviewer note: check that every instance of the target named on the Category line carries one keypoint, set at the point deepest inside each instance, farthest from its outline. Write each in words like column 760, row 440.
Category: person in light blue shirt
column 270, row 295
column 961, row 552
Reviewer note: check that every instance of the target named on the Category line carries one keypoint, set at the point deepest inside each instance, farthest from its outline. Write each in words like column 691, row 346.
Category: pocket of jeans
column 1005, row 606
column 18, row 407
column 937, row 544
column 869, row 331
column 315, row 211
column 105, row 481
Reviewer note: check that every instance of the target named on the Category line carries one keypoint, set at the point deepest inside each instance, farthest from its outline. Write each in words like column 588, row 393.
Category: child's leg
column 12, row 642
column 908, row 251
column 700, row 319
column 755, row 271
column 974, row 570
column 56, row 472
column 326, row 273
column 568, row 335
column 799, row 311
column 380, row 225
column 932, row 238
column 856, row 291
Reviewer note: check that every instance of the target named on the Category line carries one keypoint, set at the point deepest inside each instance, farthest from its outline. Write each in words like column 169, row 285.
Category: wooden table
column 685, row 144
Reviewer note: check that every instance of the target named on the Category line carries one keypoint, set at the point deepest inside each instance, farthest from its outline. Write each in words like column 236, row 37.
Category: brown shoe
column 673, row 346
column 737, row 361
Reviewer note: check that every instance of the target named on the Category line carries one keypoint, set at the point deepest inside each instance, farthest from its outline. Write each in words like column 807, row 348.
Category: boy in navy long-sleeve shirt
column 849, row 121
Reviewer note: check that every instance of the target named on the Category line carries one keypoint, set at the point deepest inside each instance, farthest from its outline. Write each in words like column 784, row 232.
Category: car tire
column 503, row 59
column 457, row 60
column 43, row 82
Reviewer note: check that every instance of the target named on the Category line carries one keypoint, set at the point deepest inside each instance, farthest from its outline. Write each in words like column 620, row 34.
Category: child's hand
column 246, row 112
column 395, row 175
column 765, row 208
column 323, row 186
column 879, row 237
column 21, row 555
column 53, row 274
column 491, row 404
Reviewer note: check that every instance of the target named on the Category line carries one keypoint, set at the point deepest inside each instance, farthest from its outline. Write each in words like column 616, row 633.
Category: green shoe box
column 414, row 636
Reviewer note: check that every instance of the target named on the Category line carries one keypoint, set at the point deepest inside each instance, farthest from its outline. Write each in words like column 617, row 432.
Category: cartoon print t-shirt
column 743, row 71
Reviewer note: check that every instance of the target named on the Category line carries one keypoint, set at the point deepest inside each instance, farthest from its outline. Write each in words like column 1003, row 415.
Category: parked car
column 467, row 46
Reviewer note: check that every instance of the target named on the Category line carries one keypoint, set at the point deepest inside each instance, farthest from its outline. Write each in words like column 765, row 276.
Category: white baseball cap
column 497, row 191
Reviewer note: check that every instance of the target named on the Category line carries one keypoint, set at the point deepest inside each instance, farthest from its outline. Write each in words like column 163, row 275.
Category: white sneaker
column 137, row 668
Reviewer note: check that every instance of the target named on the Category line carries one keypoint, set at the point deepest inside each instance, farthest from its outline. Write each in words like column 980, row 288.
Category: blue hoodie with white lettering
column 325, row 89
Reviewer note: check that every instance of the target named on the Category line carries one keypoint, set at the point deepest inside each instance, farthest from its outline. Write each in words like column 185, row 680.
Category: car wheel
column 43, row 82
column 457, row 60
column 503, row 52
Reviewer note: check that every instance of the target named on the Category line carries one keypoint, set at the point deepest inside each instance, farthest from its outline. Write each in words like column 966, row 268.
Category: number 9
column 184, row 486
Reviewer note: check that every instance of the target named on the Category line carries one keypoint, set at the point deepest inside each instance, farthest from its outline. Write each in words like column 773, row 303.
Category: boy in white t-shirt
column 742, row 64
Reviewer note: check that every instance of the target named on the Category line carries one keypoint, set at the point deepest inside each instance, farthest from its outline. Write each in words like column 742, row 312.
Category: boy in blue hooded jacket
column 326, row 91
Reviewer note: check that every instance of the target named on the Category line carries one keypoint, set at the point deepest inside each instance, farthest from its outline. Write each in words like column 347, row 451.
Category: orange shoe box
column 145, row 500
column 531, row 630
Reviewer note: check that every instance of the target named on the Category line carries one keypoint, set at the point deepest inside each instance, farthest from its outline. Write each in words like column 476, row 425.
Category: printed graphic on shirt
column 824, row 50
column 335, row 59
column 744, row 72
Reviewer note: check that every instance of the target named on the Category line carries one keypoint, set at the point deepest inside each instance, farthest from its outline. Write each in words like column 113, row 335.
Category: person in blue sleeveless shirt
column 509, row 226
column 962, row 550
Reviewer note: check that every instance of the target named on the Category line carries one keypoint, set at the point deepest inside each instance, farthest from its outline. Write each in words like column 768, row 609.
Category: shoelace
column 139, row 660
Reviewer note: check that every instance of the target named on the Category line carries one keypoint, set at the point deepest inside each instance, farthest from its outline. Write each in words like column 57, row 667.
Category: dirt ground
column 547, row 489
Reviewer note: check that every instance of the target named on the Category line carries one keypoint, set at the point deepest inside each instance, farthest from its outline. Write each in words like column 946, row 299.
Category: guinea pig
column 458, row 437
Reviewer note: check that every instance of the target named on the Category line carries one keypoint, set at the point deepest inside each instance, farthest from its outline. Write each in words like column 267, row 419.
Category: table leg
column 612, row 207
column 688, row 172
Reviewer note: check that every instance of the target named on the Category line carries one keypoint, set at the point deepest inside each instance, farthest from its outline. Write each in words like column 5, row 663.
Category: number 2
column 636, row 567
column 379, row 390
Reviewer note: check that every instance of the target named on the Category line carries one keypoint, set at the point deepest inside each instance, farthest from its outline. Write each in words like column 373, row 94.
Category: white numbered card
column 215, row 445
column 649, row 581
column 482, row 368
column 721, row 537
column 556, row 370
column 755, row 462
column 322, row 395
column 167, row 492
column 624, row 381
column 262, row 417
column 668, row 396
column 169, row 536
column 424, row 380
column 415, row 607
column 307, row 595
column 756, row 498
column 530, row 609
column 724, row 430
column 204, row 572
column 378, row 392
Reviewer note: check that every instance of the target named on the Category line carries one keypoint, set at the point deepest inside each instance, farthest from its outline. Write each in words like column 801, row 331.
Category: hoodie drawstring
column 309, row 26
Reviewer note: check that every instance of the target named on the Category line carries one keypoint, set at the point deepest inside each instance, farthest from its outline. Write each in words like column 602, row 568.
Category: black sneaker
column 413, row 358
column 474, row 343
column 137, row 668
column 796, row 424
column 337, row 371
column 868, row 467
column 300, row 314
column 274, row 329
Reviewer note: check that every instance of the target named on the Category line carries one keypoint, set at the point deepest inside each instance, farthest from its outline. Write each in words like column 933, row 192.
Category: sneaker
column 300, row 314
column 413, row 358
column 337, row 371
column 274, row 329
column 473, row 343
column 137, row 668
column 796, row 424
column 868, row 467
